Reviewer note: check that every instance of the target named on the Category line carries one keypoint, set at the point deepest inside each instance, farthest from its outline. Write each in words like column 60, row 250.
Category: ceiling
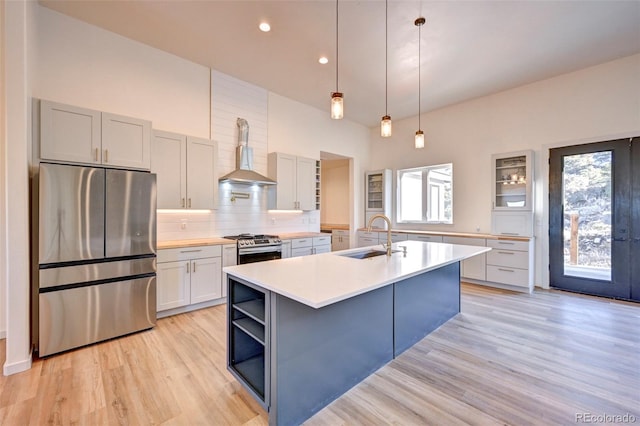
column 468, row 48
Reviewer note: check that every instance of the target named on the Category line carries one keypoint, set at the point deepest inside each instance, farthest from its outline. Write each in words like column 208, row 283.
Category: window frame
column 427, row 185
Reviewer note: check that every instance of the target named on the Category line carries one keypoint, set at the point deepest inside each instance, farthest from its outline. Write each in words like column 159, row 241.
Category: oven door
column 259, row 254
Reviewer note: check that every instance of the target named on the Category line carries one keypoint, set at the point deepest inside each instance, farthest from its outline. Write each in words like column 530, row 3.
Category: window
column 425, row 194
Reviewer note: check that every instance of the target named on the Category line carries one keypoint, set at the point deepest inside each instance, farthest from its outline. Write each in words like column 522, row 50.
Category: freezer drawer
column 80, row 316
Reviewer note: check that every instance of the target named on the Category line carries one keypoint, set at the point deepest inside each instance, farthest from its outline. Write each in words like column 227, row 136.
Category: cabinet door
column 286, row 249
column 202, row 173
column 475, row 267
column 69, row 133
column 126, row 141
column 283, row 170
column 367, row 241
column 229, row 258
column 306, row 183
column 169, row 163
column 206, row 279
column 173, row 288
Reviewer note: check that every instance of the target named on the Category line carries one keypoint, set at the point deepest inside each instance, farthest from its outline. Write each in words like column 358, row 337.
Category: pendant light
column 419, row 142
column 337, row 105
column 385, row 124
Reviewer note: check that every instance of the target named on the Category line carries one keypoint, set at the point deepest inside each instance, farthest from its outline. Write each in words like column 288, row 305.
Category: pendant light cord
column 337, row 46
column 386, row 55
column 419, row 79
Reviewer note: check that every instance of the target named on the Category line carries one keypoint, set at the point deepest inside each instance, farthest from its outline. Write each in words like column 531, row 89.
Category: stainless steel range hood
column 244, row 161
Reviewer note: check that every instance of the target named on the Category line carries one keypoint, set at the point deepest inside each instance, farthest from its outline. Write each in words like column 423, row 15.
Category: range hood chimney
column 244, row 161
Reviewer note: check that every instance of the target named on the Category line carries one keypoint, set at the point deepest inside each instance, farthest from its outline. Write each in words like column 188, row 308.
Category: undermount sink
column 366, row 254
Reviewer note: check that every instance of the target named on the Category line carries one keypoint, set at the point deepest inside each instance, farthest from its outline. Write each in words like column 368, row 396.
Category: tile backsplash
column 234, row 217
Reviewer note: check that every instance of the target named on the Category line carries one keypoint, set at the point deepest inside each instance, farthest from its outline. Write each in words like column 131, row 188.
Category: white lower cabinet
column 425, row 238
column 366, row 238
column 474, row 267
column 510, row 262
column 286, row 249
column 310, row 245
column 190, row 275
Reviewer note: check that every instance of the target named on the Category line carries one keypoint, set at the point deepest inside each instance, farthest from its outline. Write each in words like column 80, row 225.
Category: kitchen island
column 302, row 331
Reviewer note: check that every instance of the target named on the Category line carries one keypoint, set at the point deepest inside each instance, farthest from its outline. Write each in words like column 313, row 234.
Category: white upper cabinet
column 169, row 163
column 512, row 196
column 296, row 177
column 186, row 169
column 202, row 174
column 126, row 141
column 80, row 135
column 512, row 181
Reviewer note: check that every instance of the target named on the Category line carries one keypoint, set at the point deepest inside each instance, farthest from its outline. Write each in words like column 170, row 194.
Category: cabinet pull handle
column 106, row 155
column 505, row 252
column 505, row 270
column 189, row 204
column 194, row 266
column 505, row 243
column 182, row 203
column 95, row 155
column 188, row 267
column 190, row 251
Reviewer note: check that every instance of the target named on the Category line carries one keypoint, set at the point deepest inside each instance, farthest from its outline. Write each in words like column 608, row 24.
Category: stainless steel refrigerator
column 96, row 251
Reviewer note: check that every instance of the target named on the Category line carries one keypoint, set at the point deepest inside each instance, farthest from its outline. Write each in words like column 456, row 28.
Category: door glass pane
column 588, row 206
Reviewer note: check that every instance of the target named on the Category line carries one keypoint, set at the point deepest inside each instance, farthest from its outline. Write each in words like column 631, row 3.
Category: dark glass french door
column 594, row 218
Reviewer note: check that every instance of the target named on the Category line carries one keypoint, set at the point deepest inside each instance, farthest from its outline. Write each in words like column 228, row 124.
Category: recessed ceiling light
column 323, row 60
column 264, row 27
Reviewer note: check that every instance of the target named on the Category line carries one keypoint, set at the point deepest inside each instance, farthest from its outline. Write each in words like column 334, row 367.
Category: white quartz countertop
column 322, row 279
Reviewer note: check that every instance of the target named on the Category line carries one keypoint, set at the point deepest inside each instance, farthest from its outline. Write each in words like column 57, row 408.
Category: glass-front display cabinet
column 512, row 181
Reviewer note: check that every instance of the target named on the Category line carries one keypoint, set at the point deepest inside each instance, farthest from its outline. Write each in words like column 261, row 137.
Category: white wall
column 3, row 107
column 597, row 103
column 16, row 24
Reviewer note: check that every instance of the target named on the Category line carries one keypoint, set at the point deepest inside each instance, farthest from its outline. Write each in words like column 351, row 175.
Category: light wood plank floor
column 508, row 358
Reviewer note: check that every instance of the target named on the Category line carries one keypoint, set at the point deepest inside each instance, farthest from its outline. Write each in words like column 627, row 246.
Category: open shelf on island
column 252, row 370
column 252, row 308
column 252, row 328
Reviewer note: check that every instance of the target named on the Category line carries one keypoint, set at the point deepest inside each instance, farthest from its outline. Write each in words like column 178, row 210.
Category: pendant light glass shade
column 385, row 126
column 419, row 139
column 337, row 100
column 337, row 107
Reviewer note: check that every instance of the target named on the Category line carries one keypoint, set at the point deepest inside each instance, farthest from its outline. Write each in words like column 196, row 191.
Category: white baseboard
column 17, row 367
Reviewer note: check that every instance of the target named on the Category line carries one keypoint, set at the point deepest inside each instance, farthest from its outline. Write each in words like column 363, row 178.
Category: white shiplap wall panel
column 232, row 98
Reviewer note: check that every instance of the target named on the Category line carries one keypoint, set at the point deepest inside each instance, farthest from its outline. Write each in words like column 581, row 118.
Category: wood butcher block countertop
column 332, row 226
column 194, row 242
column 452, row 234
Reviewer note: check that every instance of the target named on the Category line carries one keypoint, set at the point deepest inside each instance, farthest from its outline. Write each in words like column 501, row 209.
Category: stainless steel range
column 257, row 248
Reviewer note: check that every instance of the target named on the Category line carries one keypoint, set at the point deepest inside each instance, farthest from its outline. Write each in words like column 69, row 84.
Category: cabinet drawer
column 426, row 238
column 508, row 258
column 395, row 237
column 184, row 253
column 301, row 242
column 366, row 234
column 508, row 245
column 465, row 241
column 365, row 242
column 340, row 232
column 301, row 251
column 510, row 276
column 322, row 241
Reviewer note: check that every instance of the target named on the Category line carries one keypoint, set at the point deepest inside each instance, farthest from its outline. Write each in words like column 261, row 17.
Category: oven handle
column 265, row 249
